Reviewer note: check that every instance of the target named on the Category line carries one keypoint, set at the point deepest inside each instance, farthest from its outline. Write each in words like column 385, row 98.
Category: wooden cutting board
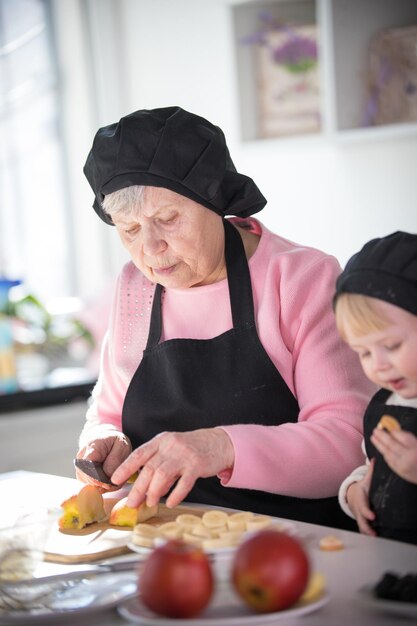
column 101, row 540
column 94, row 542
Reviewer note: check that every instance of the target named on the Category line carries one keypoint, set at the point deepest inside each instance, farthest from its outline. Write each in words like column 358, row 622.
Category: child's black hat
column 385, row 268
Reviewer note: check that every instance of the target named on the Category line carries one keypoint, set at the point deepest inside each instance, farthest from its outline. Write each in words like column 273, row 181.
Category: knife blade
column 94, row 470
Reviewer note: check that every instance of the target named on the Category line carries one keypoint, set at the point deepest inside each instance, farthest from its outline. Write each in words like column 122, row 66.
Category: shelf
column 61, row 394
column 344, row 30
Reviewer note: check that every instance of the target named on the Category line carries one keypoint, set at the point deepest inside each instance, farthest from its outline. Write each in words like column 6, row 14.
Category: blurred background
column 317, row 99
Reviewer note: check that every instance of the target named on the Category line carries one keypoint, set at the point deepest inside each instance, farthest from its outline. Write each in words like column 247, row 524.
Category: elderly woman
column 223, row 379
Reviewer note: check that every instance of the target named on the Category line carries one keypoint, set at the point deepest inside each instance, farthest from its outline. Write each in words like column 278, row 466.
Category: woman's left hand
column 399, row 449
column 173, row 457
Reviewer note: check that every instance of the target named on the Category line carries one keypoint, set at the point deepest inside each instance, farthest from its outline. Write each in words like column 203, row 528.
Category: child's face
column 389, row 356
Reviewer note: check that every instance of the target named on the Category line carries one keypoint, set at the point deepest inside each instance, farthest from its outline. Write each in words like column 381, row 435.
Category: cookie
column 389, row 423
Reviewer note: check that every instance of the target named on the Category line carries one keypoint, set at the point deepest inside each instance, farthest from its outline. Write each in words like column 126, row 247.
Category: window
column 35, row 233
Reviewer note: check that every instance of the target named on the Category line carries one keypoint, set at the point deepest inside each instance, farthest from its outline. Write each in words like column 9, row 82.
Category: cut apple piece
column 123, row 515
column 83, row 508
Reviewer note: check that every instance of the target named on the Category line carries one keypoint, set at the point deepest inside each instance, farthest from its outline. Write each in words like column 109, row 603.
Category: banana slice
column 199, row 530
column 215, row 519
column 315, row 588
column 233, row 537
column 144, row 535
column 258, row 522
column 143, row 542
column 216, row 542
column 330, row 543
column 190, row 538
column 237, row 521
column 188, row 520
column 171, row 530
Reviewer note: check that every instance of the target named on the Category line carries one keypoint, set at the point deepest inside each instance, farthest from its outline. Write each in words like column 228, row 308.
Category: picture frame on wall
column 288, row 82
column 392, row 77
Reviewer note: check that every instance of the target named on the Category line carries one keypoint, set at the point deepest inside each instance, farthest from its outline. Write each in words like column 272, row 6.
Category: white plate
column 77, row 598
column 284, row 525
column 393, row 607
column 218, row 552
column 226, row 608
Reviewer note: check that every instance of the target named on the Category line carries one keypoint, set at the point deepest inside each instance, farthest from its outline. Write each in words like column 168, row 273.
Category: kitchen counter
column 362, row 562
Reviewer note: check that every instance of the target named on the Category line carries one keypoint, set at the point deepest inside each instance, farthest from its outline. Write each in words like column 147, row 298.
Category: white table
column 362, row 562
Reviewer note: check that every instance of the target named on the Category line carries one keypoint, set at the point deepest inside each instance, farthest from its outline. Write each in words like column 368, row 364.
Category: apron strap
column 239, row 282
column 238, row 277
column 155, row 327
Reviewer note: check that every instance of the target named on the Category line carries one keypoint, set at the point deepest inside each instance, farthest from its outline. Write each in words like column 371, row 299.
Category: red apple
column 270, row 571
column 176, row 580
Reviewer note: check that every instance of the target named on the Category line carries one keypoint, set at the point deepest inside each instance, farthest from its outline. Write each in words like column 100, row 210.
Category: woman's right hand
column 357, row 497
column 111, row 448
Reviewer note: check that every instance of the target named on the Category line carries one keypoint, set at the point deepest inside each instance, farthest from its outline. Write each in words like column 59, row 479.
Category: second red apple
column 270, row 571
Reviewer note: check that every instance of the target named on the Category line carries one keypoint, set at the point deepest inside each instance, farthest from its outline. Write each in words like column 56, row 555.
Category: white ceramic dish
column 218, row 552
column 67, row 602
column 225, row 609
column 393, row 607
column 284, row 525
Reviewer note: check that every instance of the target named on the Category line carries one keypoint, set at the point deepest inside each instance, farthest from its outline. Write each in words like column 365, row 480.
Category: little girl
column 376, row 314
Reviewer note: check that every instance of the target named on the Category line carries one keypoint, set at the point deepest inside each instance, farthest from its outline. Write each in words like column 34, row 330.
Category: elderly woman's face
column 173, row 240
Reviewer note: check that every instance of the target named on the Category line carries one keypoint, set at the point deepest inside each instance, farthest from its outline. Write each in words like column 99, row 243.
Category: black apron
column 393, row 499
column 186, row 384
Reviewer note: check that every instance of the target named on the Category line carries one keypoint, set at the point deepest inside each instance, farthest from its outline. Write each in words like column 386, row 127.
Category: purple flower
column 297, row 54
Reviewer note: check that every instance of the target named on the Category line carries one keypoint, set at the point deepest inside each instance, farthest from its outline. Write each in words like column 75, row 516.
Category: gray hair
column 124, row 201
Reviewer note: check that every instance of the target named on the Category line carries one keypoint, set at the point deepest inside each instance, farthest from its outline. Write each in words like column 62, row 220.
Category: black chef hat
column 385, row 268
column 170, row 148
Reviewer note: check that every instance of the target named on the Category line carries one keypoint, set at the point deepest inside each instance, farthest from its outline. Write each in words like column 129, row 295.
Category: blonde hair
column 124, row 201
column 358, row 312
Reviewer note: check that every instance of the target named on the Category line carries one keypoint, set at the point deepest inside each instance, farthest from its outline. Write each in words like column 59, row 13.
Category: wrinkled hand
column 399, row 449
column 358, row 499
column 171, row 457
column 111, row 448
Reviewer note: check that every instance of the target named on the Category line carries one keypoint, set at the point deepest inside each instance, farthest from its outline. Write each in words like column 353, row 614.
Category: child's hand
column 358, row 499
column 399, row 449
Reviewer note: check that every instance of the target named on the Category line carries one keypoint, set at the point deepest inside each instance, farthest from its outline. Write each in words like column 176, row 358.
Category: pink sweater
column 292, row 287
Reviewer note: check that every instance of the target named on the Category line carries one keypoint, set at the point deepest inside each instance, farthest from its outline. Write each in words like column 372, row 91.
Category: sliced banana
column 237, row 521
column 144, row 535
column 199, row 530
column 329, row 543
column 315, row 588
column 215, row 519
column 258, row 522
column 146, row 529
column 214, row 529
column 194, row 539
column 171, row 530
column 233, row 537
column 143, row 542
column 188, row 520
column 217, row 530
column 216, row 542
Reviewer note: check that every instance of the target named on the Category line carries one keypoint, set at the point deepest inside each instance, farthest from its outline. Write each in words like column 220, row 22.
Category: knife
column 95, row 470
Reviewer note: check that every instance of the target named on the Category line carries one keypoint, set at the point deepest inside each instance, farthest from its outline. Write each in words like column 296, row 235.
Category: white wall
column 332, row 195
